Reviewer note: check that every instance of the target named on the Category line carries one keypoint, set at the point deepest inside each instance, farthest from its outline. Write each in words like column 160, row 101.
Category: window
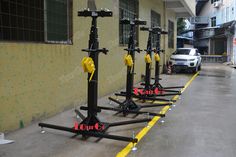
column 232, row 12
column 128, row 9
column 213, row 1
column 170, row 34
column 213, row 21
column 57, row 21
column 36, row 20
column 227, row 15
column 223, row 16
column 182, row 52
column 197, row 53
column 155, row 21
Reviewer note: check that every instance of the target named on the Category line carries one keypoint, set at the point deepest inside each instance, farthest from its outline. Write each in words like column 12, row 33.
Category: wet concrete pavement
column 30, row 142
column 201, row 125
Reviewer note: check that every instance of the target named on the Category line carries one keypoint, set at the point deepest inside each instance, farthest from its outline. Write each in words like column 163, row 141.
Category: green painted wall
column 39, row 80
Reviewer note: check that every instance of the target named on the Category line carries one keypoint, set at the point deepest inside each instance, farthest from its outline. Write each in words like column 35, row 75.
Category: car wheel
column 195, row 70
column 200, row 67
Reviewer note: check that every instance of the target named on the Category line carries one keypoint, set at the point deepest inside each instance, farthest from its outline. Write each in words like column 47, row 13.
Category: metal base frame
column 152, row 97
column 92, row 120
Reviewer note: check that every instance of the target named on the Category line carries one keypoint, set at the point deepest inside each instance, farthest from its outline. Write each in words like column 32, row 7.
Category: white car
column 186, row 59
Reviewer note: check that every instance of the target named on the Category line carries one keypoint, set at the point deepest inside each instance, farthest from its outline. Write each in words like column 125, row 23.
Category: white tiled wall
column 225, row 13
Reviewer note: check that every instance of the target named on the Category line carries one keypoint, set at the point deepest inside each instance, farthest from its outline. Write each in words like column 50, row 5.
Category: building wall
column 225, row 13
column 207, row 9
column 191, row 5
column 170, row 16
column 39, row 80
column 188, row 46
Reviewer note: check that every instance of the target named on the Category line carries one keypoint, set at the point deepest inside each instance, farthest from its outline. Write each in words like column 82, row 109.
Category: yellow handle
column 128, row 60
column 148, row 59
column 88, row 66
column 157, row 57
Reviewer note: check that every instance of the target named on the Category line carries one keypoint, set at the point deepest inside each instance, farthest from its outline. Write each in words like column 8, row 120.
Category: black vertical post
column 93, row 84
column 148, row 65
column 158, row 49
column 130, row 70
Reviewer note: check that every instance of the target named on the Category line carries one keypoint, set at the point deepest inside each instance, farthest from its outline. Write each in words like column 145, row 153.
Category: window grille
column 155, row 21
column 170, row 34
column 128, row 9
column 36, row 20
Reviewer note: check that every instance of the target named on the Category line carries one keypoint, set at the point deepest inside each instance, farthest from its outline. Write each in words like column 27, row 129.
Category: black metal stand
column 149, row 92
column 148, row 89
column 91, row 125
column 129, row 106
column 149, row 50
column 157, row 79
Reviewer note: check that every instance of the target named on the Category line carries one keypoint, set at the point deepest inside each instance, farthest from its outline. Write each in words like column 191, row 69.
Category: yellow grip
column 148, row 58
column 128, row 60
column 157, row 57
column 88, row 66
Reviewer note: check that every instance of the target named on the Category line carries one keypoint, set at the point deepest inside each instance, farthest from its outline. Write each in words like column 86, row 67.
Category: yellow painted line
column 186, row 86
column 144, row 131
column 189, row 82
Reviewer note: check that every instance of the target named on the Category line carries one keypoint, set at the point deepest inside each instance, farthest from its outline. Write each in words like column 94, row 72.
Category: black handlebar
column 159, row 50
column 154, row 30
column 137, row 50
column 104, row 50
column 132, row 22
column 101, row 13
column 145, row 29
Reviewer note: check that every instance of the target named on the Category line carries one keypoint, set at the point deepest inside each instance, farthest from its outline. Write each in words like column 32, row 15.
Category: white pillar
column 209, row 46
column 229, row 47
column 233, row 59
column 233, row 51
